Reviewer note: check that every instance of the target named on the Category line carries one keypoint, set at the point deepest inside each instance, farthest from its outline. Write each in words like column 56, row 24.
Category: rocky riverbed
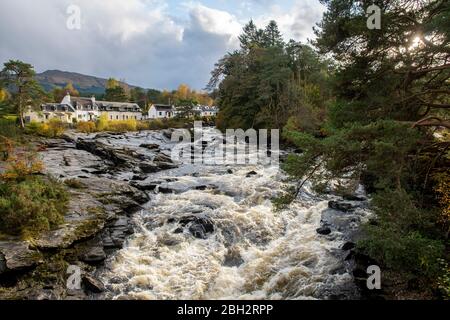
column 140, row 226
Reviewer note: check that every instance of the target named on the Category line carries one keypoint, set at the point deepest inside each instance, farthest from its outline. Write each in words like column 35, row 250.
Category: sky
column 150, row 43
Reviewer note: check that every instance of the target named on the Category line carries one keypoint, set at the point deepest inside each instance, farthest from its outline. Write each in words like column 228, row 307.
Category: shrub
column 143, row 125
column 122, row 125
column 54, row 128
column 19, row 167
column 31, row 206
column 102, row 123
column 86, row 127
column 404, row 238
column 9, row 128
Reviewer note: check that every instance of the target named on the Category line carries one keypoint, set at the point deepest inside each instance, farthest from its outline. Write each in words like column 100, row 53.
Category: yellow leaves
column 52, row 129
column 3, row 95
column 443, row 190
column 103, row 124
column 86, row 127
column 112, row 83
column 20, row 164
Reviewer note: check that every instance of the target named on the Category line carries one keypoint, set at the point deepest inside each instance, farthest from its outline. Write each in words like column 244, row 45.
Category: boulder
column 348, row 246
column 352, row 197
column 323, row 230
column 94, row 256
column 340, row 206
column 92, row 284
column 150, row 146
column 199, row 227
column 18, row 256
column 2, row 263
column 251, row 173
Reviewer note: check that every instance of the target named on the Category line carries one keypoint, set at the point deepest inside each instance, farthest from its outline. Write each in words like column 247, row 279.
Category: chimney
column 66, row 99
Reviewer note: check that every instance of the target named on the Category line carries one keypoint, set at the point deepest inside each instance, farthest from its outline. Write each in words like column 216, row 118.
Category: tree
column 264, row 84
column 59, row 93
column 272, row 35
column 116, row 94
column 251, row 36
column 115, row 91
column 392, row 94
column 138, row 95
column 19, row 77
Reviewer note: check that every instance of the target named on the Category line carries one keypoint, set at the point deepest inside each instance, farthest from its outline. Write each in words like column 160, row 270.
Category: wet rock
column 323, row 230
column 341, row 206
column 2, row 263
column 167, row 133
column 251, row 173
column 351, row 197
column 348, row 246
column 149, row 167
column 199, row 227
column 94, row 255
column 116, row 233
column 150, row 146
column 233, row 258
column 162, row 158
column 164, row 165
column 178, row 230
column 138, row 177
column 92, row 284
column 18, row 256
column 165, row 190
column 103, row 151
column 144, row 186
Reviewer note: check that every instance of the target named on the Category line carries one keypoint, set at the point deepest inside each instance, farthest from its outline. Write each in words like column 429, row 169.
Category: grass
column 31, row 206
column 29, row 203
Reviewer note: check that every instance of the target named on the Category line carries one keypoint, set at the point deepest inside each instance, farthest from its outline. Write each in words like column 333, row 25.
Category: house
column 207, row 111
column 77, row 109
column 161, row 111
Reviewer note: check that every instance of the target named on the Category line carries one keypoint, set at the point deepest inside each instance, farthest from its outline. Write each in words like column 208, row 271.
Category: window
column 110, row 117
column 160, row 113
column 117, row 117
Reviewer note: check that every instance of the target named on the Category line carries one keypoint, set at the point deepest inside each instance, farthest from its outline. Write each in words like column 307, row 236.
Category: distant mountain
column 83, row 83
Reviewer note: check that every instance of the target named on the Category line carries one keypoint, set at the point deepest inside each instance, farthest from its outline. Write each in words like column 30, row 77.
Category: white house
column 207, row 111
column 161, row 111
column 78, row 109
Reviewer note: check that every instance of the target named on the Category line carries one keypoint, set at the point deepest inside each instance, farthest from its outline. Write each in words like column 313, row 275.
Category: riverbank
column 142, row 227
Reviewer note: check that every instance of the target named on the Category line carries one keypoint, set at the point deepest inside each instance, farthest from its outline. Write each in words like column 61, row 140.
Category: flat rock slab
column 18, row 255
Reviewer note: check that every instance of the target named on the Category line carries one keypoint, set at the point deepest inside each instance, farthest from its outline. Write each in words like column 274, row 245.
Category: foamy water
column 254, row 252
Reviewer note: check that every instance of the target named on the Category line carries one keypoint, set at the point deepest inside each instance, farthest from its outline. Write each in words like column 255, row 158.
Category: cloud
column 141, row 41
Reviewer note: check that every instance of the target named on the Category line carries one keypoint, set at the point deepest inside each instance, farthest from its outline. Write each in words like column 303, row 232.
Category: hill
column 83, row 83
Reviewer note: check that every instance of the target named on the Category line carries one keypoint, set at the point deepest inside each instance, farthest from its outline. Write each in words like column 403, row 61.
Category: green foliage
column 269, row 81
column 31, row 206
column 54, row 128
column 390, row 94
column 25, row 89
column 9, row 128
column 117, row 94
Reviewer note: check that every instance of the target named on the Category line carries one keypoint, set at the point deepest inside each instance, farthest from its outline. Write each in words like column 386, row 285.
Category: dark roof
column 163, row 107
column 57, row 107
